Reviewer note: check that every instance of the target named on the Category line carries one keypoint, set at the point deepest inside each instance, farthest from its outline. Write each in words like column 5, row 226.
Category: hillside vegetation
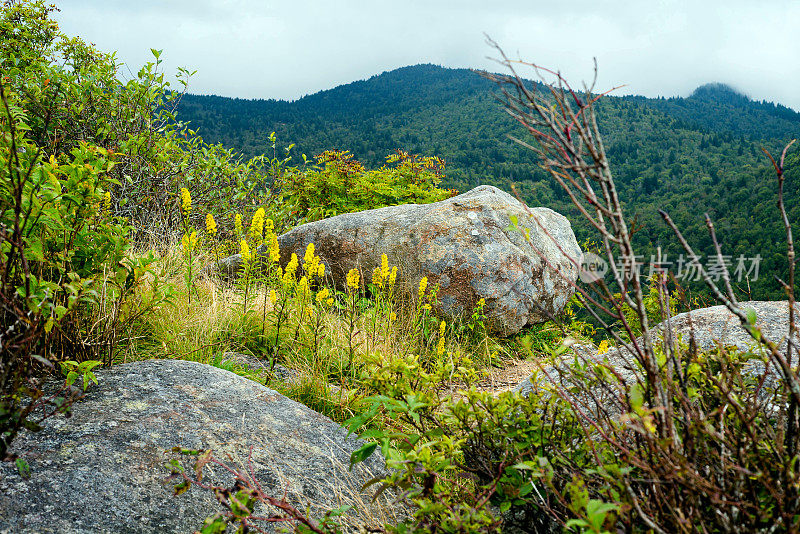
column 688, row 156
column 114, row 215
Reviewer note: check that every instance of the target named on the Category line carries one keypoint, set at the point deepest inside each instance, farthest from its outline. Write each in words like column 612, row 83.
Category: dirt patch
column 508, row 377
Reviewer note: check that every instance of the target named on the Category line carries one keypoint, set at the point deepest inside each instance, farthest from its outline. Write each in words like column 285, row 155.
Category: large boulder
column 463, row 244
column 102, row 470
column 709, row 327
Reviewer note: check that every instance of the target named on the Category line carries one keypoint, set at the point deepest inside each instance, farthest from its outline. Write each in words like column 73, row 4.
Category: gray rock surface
column 710, row 327
column 102, row 471
column 463, row 244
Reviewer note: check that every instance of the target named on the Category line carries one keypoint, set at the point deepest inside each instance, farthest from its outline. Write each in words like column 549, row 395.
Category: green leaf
column 183, row 487
column 23, row 468
column 637, row 397
column 72, row 376
column 214, row 525
column 362, row 453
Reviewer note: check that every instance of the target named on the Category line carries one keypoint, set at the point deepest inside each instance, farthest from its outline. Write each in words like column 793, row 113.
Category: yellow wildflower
column 308, row 258
column 257, row 226
column 603, row 347
column 393, row 276
column 384, row 267
column 211, row 225
column 269, row 226
column 423, row 285
column 321, row 270
column 377, row 278
column 302, row 286
column 237, row 223
column 323, row 295
column 189, row 241
column 186, row 202
column 244, row 251
column 273, row 248
column 353, row 279
column 273, row 297
column 291, row 268
column 309, row 311
column 427, row 307
column 481, row 303
column 392, row 317
column 107, row 203
column 440, row 346
column 330, row 301
column 311, row 262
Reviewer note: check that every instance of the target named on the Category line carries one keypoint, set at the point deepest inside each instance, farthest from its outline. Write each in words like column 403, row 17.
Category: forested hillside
column 685, row 155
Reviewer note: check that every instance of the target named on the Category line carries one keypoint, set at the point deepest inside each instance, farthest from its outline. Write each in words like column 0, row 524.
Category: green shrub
column 73, row 93
column 340, row 184
column 59, row 250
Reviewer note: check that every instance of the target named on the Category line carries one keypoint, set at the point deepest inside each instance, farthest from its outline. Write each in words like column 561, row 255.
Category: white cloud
column 269, row 49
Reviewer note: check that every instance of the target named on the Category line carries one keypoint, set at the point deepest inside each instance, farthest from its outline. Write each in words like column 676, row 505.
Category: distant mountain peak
column 720, row 92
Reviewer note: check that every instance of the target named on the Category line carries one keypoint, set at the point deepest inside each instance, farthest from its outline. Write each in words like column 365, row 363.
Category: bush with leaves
column 340, row 184
column 74, row 93
column 59, row 248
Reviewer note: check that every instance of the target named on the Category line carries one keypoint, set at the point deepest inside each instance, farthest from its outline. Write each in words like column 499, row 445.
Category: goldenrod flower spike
column 273, row 297
column 237, row 223
column 107, row 203
column 189, row 241
column 423, row 285
column 377, row 279
column 257, row 226
column 353, row 279
column 274, row 249
column 323, row 295
column 384, row 267
column 244, row 251
column 186, row 202
column 440, row 346
column 211, row 225
column 393, row 276
column 302, row 287
column 291, row 268
column 308, row 258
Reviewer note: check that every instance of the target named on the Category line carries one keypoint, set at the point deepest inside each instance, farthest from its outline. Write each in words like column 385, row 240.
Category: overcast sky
column 287, row 49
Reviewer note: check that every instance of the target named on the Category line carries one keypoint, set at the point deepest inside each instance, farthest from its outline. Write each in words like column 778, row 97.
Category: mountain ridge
column 688, row 155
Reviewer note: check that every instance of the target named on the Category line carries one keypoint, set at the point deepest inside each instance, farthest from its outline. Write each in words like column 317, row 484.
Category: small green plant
column 74, row 370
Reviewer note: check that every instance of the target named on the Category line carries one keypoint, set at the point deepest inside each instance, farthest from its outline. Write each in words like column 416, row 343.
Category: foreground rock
column 464, row 245
column 710, row 327
column 102, row 470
